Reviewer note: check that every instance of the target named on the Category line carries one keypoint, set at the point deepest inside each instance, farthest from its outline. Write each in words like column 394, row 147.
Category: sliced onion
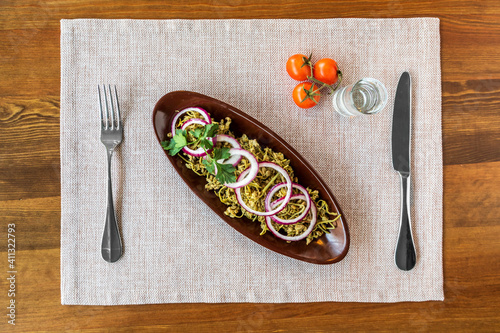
column 193, row 121
column 306, row 233
column 203, row 113
column 199, row 151
column 251, row 171
column 275, row 189
column 234, row 159
column 286, row 198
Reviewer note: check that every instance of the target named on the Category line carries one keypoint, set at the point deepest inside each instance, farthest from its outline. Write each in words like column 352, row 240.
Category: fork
column 111, row 137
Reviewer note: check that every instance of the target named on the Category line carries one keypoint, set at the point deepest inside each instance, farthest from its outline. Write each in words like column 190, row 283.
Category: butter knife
column 405, row 255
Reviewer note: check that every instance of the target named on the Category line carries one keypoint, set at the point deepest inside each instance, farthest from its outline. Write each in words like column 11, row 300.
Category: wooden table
column 30, row 173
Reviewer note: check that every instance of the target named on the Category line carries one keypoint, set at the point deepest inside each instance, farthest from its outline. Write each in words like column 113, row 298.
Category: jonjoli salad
column 253, row 181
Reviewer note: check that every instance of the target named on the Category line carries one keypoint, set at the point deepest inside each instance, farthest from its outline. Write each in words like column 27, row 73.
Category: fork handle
column 111, row 248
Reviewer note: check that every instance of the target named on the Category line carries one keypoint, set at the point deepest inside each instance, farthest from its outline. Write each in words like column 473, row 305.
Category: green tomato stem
column 337, row 85
column 323, row 84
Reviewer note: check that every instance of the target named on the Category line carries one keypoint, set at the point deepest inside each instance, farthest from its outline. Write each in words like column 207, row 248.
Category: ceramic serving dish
column 327, row 249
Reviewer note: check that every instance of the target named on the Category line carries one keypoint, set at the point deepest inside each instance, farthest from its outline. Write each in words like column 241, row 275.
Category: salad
column 251, row 180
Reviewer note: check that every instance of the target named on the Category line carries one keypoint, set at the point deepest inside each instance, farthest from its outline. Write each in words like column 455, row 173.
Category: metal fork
column 111, row 137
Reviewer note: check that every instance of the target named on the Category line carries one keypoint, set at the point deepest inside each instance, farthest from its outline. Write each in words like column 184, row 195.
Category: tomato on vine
column 327, row 71
column 324, row 74
column 299, row 67
column 306, row 95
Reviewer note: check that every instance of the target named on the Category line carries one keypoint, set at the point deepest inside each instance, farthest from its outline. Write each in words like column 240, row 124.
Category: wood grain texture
column 30, row 173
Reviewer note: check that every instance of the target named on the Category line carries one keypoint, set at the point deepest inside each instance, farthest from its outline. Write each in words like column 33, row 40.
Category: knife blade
column 405, row 255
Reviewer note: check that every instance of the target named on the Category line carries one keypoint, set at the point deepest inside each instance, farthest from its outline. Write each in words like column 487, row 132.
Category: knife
column 405, row 255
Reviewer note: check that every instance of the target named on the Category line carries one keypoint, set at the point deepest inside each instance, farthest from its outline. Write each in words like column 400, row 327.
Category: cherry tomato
column 296, row 68
column 304, row 95
column 326, row 70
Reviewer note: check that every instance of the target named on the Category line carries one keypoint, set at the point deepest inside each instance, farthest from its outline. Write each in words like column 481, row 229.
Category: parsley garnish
column 225, row 172
column 176, row 144
column 180, row 140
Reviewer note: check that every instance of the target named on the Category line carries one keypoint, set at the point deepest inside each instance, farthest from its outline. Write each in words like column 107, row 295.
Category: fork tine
column 112, row 120
column 100, row 104
column 118, row 123
column 106, row 106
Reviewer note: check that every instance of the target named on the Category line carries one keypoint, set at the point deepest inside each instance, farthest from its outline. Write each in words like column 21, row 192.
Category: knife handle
column 405, row 254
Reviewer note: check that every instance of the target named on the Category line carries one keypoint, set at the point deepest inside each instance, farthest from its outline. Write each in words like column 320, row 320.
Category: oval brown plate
column 327, row 249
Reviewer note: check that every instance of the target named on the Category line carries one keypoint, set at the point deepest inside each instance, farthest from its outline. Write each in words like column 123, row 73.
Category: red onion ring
column 306, row 233
column 286, row 198
column 234, row 159
column 252, row 170
column 194, row 152
column 203, row 113
column 193, row 121
column 275, row 189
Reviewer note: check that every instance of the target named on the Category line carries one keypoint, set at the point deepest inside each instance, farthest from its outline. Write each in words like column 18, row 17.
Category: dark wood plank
column 472, row 196
column 29, row 142
column 38, row 221
column 471, row 125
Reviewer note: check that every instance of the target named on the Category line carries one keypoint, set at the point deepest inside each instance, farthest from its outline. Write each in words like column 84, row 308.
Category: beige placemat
column 177, row 249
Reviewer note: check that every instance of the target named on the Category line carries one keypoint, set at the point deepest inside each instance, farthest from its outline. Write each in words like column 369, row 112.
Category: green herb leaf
column 197, row 132
column 175, row 145
column 209, row 165
column 210, row 130
column 225, row 173
column 203, row 134
column 207, row 144
column 221, row 154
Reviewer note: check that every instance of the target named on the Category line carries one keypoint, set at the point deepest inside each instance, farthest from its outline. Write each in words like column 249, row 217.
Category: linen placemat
column 175, row 248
